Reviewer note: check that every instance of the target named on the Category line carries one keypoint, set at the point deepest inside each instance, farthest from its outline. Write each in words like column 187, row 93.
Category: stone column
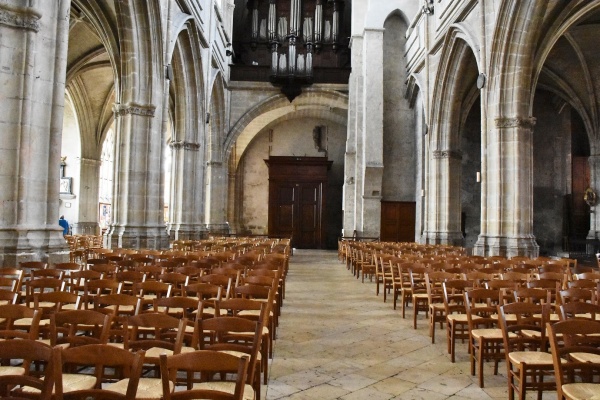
column 184, row 216
column 371, row 134
column 138, row 220
column 216, row 192
column 33, row 56
column 444, row 199
column 508, row 177
column 351, row 175
column 594, row 162
column 89, row 179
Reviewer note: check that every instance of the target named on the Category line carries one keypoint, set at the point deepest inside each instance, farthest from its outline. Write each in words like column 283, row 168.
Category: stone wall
column 291, row 138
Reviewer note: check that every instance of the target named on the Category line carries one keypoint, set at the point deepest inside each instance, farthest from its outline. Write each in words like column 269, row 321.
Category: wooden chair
column 485, row 336
column 93, row 359
column 435, row 298
column 366, row 265
column 523, row 327
column 182, row 307
column 576, row 354
column 238, row 336
column 255, row 311
column 16, row 380
column 208, row 363
column 420, row 301
column 457, row 324
column 156, row 334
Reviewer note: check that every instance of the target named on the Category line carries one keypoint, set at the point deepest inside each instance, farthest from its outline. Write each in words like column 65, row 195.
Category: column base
column 17, row 245
column 445, row 238
column 86, row 228
column 506, row 246
column 218, row 229
column 137, row 238
column 186, row 231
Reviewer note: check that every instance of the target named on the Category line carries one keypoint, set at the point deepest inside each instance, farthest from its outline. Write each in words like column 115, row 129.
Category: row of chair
column 433, row 283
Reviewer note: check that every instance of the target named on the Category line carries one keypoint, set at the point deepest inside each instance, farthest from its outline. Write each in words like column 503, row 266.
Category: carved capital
column 515, row 122
column 450, row 154
column 145, row 110
column 181, row 144
column 17, row 17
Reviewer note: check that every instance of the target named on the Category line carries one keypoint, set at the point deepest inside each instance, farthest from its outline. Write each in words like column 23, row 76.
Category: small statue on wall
column 590, row 197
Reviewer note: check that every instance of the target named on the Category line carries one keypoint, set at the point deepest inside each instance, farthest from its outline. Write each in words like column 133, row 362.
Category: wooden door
column 398, row 221
column 297, row 194
column 580, row 211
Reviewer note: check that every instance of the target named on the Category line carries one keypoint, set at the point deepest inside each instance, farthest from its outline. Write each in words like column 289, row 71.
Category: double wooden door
column 398, row 221
column 297, row 193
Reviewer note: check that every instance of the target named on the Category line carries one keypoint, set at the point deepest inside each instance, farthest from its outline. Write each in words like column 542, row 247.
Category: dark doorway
column 297, row 198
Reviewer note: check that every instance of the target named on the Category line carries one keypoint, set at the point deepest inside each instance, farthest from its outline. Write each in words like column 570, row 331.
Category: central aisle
column 337, row 340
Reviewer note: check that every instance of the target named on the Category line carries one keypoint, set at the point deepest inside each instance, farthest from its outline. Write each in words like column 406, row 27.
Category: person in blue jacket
column 65, row 225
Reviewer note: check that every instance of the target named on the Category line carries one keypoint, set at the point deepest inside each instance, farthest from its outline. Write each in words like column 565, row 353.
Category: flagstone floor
column 338, row 340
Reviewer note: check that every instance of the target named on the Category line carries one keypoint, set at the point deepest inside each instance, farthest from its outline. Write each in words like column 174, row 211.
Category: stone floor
column 338, row 340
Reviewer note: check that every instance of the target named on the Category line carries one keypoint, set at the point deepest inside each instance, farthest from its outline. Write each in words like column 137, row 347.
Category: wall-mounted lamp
column 422, row 192
column 207, row 118
column 478, row 177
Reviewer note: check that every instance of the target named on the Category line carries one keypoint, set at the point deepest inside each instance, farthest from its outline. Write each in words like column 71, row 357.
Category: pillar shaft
column 33, row 56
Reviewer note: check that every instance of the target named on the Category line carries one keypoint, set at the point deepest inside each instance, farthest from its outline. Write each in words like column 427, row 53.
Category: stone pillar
column 594, row 233
column 89, row 179
column 370, row 136
column 33, row 57
column 508, row 178
column 216, row 202
column 138, row 220
column 351, row 175
column 184, row 216
column 443, row 227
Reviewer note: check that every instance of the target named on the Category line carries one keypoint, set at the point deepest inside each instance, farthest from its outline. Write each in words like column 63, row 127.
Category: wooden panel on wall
column 297, row 191
column 398, row 220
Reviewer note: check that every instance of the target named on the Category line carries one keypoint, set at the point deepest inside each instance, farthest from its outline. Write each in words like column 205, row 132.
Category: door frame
column 298, row 170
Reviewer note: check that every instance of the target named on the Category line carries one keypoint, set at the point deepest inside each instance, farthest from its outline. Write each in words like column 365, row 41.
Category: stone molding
column 145, row 110
column 182, row 144
column 515, row 122
column 25, row 18
column 90, row 161
column 449, row 154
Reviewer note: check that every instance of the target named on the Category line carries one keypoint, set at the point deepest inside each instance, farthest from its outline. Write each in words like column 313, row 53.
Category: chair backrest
column 95, row 358
column 517, row 330
column 167, row 331
column 576, row 294
column 10, row 313
column 533, row 295
column 52, row 302
column 567, row 338
column 79, row 327
column 209, row 363
column 481, row 306
column 27, row 351
column 579, row 310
